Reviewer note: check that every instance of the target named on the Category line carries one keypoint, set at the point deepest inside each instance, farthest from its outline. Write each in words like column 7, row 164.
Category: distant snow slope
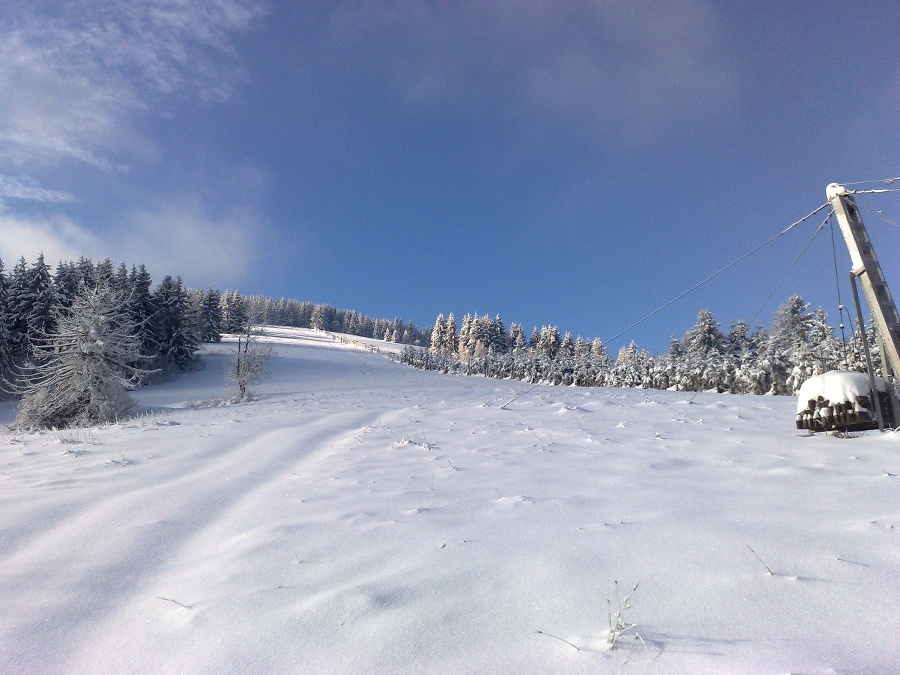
column 364, row 517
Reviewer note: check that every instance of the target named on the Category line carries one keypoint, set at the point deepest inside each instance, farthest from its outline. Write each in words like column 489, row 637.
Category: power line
column 714, row 275
column 885, row 181
column 872, row 192
column 793, row 264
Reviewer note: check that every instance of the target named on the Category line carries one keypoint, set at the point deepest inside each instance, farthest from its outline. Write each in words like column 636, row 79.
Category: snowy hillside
column 364, row 517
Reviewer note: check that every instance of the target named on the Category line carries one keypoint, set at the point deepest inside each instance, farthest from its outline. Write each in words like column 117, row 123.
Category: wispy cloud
column 73, row 74
column 77, row 82
column 25, row 188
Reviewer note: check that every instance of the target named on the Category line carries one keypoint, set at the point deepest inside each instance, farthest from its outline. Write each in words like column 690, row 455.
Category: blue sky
column 576, row 163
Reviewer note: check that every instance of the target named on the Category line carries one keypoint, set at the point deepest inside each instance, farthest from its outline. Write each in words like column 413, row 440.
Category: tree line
column 799, row 344
column 33, row 299
column 297, row 314
column 75, row 340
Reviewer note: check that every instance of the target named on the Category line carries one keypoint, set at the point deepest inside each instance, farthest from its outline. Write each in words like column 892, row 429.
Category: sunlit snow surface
column 364, row 517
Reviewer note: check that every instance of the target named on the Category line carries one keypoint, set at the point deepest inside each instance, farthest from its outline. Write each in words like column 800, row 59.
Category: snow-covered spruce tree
column 451, row 340
column 567, row 347
column 195, row 313
column 549, row 341
column 701, row 364
column 790, row 349
column 212, row 316
column 83, row 370
column 5, row 346
column 173, row 329
column 516, row 338
column 121, row 280
column 16, row 313
column 437, row 336
column 499, row 338
column 141, row 308
column 65, row 281
column 42, row 298
column 31, row 301
column 317, row 320
column 463, row 347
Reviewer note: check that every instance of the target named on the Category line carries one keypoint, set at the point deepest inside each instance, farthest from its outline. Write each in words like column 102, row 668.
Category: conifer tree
column 317, row 320
column 5, row 346
column 31, row 303
column 451, row 340
column 567, row 347
column 173, row 328
column 705, row 337
column 212, row 316
column 66, row 283
column 105, row 272
column 599, row 355
column 465, row 334
column 82, row 370
column 516, row 337
column 580, row 348
column 549, row 341
column 86, row 272
column 17, row 309
column 499, row 341
column 42, row 300
column 437, row 336
column 141, row 308
column 120, row 280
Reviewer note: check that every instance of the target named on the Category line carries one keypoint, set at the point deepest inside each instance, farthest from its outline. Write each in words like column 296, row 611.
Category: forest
column 799, row 344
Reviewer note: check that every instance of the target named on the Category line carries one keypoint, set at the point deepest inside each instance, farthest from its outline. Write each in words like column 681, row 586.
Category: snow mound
column 837, row 386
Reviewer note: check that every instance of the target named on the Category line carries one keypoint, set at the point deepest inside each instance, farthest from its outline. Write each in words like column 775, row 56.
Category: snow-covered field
column 364, row 517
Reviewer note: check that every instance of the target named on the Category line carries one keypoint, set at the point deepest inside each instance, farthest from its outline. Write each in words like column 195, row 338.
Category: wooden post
column 875, row 401
column 867, row 268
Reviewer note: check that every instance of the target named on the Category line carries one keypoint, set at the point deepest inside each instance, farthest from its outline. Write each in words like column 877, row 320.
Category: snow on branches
column 81, row 371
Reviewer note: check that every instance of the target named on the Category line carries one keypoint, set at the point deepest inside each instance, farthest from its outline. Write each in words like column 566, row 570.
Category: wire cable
column 885, row 181
column 880, row 215
column 793, row 264
column 714, row 275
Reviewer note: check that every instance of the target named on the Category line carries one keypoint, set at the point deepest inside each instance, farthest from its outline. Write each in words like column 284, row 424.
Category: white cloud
column 76, row 79
column 181, row 237
column 72, row 78
column 26, row 188
column 58, row 238
column 178, row 237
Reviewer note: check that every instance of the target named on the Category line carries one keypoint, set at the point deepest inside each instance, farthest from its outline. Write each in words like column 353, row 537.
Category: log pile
column 859, row 414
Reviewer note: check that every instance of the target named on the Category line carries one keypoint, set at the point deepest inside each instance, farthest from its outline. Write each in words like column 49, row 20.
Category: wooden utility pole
column 868, row 270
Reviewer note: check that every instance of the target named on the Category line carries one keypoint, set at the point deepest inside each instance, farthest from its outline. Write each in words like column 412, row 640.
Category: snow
column 837, row 386
column 833, row 190
column 362, row 516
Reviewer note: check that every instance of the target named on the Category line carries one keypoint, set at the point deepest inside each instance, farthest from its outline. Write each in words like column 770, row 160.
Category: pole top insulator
column 835, row 190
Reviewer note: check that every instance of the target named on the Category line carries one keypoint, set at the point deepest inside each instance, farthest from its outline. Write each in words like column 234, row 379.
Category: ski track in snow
column 361, row 516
